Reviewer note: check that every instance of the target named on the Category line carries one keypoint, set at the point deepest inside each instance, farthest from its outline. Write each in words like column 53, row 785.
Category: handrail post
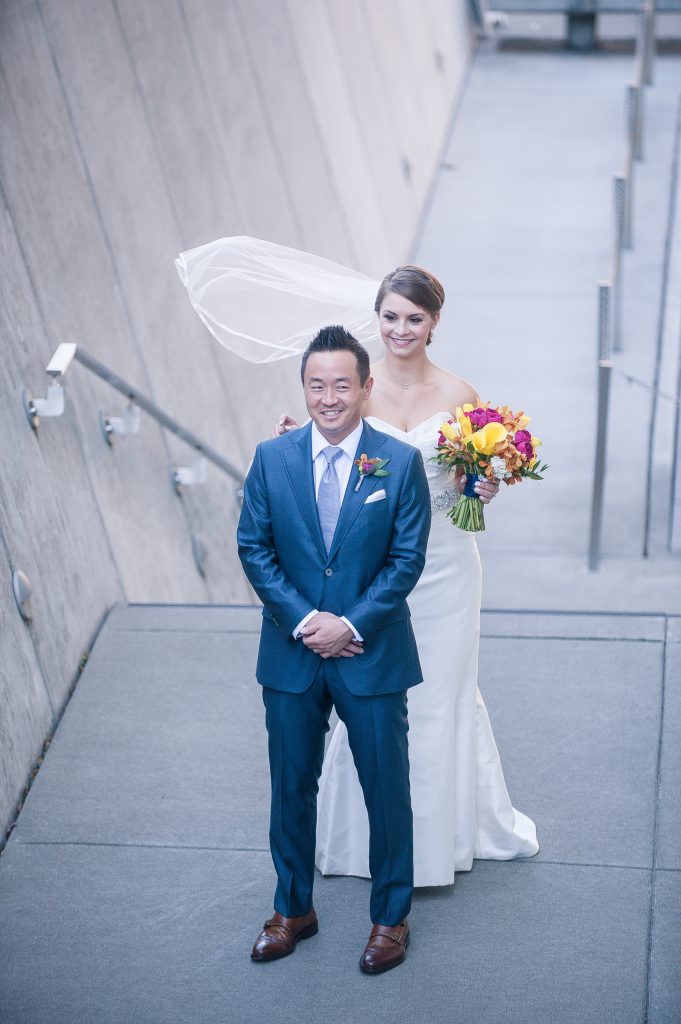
column 628, row 206
column 635, row 119
column 619, row 203
column 604, row 375
column 647, row 16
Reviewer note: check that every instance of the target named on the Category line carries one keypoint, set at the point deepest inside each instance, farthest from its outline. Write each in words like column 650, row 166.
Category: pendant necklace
column 405, row 387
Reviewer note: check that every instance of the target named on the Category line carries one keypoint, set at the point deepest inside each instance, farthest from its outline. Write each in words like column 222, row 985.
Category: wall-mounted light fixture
column 22, row 588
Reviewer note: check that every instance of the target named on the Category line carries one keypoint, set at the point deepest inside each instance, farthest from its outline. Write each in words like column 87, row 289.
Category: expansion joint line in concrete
column 571, row 639
column 96, row 844
column 656, row 823
column 192, row 632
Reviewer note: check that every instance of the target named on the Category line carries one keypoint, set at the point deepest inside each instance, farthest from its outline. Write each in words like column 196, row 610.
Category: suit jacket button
column 328, row 572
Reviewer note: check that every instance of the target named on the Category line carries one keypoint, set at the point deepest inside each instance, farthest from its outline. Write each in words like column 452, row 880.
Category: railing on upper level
column 610, row 290
column 581, row 14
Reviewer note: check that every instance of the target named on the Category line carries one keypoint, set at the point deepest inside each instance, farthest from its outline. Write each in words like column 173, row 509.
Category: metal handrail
column 610, row 291
column 624, row 182
column 60, row 362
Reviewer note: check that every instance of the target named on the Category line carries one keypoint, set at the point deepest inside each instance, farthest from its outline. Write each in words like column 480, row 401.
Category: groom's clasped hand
column 329, row 637
column 333, row 569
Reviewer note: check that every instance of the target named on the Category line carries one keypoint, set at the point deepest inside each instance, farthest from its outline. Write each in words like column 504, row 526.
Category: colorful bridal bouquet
column 488, row 443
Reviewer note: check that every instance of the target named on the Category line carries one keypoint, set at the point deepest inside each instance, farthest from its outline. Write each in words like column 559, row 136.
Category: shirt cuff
column 356, row 635
column 296, row 631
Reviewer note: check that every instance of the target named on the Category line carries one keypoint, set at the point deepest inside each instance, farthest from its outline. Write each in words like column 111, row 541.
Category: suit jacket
column 377, row 555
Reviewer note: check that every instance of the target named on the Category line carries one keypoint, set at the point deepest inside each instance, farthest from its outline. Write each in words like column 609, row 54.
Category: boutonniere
column 370, row 467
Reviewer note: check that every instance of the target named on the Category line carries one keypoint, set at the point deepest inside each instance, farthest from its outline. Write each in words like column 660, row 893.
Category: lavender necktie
column 328, row 495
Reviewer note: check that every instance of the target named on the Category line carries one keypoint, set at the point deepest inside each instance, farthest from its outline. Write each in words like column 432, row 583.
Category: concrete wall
column 129, row 133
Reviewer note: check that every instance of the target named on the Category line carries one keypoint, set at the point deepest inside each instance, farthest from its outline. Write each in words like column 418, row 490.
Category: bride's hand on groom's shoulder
column 284, row 424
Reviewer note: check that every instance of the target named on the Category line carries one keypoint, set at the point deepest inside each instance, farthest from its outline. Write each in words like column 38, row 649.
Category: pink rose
column 481, row 417
column 523, row 442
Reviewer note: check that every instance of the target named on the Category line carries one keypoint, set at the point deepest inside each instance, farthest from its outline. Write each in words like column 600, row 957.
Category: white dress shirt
column 343, row 466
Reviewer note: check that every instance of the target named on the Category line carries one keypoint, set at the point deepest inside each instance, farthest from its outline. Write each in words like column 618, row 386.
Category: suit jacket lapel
column 297, row 459
column 370, row 444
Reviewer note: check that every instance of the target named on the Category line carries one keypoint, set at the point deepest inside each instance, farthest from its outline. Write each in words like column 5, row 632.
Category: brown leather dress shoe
column 280, row 935
column 386, row 948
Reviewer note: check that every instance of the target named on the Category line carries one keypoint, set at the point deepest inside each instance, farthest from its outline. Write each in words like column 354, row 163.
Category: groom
column 333, row 554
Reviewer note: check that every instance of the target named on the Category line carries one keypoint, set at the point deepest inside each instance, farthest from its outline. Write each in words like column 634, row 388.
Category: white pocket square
column 376, row 496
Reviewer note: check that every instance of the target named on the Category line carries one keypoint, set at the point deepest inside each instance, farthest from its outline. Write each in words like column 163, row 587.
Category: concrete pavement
column 138, row 874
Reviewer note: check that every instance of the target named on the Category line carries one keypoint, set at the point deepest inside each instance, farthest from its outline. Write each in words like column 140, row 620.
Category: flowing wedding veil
column 265, row 302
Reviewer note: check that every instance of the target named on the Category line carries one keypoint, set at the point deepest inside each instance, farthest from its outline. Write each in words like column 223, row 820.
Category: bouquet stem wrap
column 468, row 512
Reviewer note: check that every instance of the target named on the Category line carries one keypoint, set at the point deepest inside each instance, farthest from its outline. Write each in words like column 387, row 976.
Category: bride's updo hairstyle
column 416, row 284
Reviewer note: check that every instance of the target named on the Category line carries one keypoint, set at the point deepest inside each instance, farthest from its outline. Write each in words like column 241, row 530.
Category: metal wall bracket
column 189, row 476
column 128, row 423
column 53, row 405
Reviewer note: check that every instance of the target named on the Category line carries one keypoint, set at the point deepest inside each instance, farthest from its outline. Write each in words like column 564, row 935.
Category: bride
column 264, row 302
column 461, row 806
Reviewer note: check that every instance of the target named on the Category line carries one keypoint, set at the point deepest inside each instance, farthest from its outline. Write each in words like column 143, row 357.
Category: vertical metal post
column 604, row 374
column 674, row 529
column 648, row 20
column 619, row 204
column 641, row 44
column 604, row 369
column 604, row 319
column 628, row 206
column 635, row 119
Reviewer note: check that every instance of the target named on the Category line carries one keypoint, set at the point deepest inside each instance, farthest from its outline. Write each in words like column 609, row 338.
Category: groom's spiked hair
column 335, row 338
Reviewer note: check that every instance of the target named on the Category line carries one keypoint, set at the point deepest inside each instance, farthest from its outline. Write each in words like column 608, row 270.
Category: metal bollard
column 635, row 119
column 604, row 375
column 619, row 204
column 648, row 51
column 605, row 291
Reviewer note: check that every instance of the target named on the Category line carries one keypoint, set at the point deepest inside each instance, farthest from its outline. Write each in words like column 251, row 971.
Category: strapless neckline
column 442, row 413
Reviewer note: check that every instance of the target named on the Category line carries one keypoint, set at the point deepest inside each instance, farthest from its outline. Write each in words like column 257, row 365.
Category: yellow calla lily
column 450, row 431
column 536, row 443
column 465, row 425
column 487, row 438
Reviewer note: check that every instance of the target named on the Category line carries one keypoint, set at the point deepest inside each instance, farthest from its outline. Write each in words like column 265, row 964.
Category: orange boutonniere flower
column 370, row 467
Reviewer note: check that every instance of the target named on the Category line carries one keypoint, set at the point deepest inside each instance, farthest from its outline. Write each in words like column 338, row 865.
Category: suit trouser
column 377, row 731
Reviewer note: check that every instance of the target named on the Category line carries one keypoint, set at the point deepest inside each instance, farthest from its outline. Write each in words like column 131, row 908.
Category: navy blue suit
column 376, row 558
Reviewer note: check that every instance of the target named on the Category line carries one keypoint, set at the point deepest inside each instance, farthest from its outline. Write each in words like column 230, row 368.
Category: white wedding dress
column 461, row 806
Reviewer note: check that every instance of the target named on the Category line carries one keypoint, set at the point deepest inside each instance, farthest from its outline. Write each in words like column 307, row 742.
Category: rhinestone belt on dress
column 443, row 501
